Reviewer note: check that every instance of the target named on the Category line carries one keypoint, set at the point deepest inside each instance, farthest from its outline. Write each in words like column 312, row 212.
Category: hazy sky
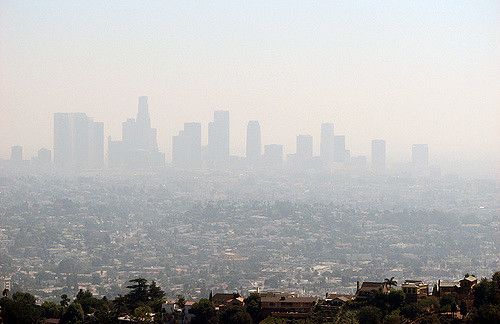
column 407, row 72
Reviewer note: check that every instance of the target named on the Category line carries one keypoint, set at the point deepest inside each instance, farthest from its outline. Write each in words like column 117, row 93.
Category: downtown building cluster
column 79, row 146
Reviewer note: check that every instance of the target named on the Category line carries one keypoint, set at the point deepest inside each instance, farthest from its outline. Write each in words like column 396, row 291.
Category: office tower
column 378, row 155
column 420, row 157
column 339, row 151
column 16, row 153
column 78, row 142
column 218, row 139
column 145, row 135
column 138, row 148
column 96, row 145
column 304, row 147
column 327, row 147
column 273, row 156
column 186, row 147
column 44, row 156
column 358, row 163
column 254, row 143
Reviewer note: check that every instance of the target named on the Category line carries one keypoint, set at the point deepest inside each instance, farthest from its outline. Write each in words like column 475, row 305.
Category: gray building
column 326, row 151
column 186, row 147
column 378, row 155
column 253, row 143
column 78, row 142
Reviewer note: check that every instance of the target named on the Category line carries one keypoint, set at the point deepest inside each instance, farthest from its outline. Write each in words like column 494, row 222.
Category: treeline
column 143, row 304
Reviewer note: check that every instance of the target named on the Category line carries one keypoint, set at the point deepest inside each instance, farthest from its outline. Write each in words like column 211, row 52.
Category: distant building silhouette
column 339, row 153
column 273, row 156
column 327, row 144
column 186, row 147
column 78, row 142
column 304, row 147
column 420, row 157
column 138, row 148
column 378, row 155
column 16, row 153
column 44, row 156
column 218, row 139
column 253, row 143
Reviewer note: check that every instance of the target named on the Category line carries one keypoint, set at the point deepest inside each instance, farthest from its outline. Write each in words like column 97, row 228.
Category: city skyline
column 290, row 65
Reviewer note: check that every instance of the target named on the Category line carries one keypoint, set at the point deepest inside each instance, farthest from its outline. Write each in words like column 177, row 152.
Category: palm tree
column 390, row 282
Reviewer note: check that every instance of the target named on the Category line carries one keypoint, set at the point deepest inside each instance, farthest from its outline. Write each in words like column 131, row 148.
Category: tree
column 395, row 299
column 181, row 301
column 51, row 309
column 155, row 292
column 410, row 311
column 463, row 308
column 73, row 314
column 369, row 315
column 390, row 282
column 64, row 300
column 204, row 311
column 253, row 306
column 143, row 314
column 235, row 314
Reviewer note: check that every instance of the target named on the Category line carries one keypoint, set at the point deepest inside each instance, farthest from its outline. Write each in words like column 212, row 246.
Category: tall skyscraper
column 420, row 157
column 78, row 142
column 378, row 155
column 327, row 147
column 138, row 148
column 186, row 147
column 339, row 152
column 304, row 147
column 16, row 153
column 254, row 143
column 218, row 138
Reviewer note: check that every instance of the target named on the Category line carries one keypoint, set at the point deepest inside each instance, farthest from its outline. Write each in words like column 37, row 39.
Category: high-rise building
column 44, row 156
column 420, row 157
column 78, row 142
column 218, row 139
column 273, row 156
column 327, row 146
column 138, row 148
column 254, row 143
column 186, row 147
column 339, row 152
column 378, row 155
column 304, row 147
column 16, row 153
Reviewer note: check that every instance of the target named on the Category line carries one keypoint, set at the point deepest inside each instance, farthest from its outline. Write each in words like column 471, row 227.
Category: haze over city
column 406, row 72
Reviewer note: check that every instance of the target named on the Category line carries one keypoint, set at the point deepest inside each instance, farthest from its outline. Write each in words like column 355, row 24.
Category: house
column 338, row 299
column 369, row 288
column 467, row 284
column 287, row 306
column 415, row 290
column 221, row 300
column 447, row 287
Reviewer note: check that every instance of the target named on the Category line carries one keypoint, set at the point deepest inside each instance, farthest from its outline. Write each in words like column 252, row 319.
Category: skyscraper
column 16, row 153
column 339, row 152
column 420, row 157
column 186, row 147
column 326, row 150
column 254, row 143
column 138, row 148
column 78, row 142
column 218, row 139
column 304, row 147
column 378, row 155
